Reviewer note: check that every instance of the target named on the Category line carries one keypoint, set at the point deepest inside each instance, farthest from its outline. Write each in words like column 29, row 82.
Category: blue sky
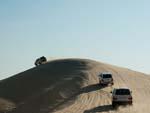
column 111, row 31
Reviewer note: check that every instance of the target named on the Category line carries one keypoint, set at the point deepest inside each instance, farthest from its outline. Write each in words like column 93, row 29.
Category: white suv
column 121, row 96
column 105, row 79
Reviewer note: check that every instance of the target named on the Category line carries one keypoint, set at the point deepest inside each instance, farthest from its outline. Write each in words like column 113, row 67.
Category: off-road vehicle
column 105, row 78
column 121, row 96
column 41, row 60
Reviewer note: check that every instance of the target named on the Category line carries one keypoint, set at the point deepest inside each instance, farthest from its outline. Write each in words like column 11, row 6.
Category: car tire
column 130, row 103
column 99, row 82
column 114, row 104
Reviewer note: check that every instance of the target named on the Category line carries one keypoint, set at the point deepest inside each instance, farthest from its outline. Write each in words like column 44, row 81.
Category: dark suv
column 41, row 60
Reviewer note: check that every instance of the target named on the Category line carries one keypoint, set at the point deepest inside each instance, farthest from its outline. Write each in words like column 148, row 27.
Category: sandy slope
column 98, row 100
column 70, row 86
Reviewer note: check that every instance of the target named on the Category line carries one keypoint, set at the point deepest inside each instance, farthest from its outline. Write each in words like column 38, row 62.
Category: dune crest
column 71, row 86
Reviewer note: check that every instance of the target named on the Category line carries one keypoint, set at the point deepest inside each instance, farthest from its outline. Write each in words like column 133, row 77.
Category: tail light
column 114, row 98
column 130, row 98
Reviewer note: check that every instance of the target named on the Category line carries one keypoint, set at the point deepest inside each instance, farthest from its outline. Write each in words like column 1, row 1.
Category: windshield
column 107, row 76
column 122, row 92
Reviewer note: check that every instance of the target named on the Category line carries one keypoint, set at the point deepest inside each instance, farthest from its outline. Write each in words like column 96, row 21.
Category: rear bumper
column 105, row 83
column 122, row 102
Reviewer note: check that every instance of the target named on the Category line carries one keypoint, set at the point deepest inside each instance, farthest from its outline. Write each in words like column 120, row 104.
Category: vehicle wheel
column 99, row 82
column 130, row 103
column 114, row 104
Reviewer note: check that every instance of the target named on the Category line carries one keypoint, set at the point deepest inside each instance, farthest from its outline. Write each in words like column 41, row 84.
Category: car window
column 107, row 76
column 122, row 92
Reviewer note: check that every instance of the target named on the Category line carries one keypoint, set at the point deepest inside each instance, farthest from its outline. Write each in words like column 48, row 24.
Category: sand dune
column 70, row 86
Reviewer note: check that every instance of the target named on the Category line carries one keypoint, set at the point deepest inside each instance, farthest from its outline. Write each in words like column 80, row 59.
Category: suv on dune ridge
column 41, row 60
column 105, row 78
column 121, row 96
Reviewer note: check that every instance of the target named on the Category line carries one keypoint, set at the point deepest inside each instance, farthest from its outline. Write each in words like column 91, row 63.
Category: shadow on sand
column 86, row 89
column 91, row 88
column 104, row 108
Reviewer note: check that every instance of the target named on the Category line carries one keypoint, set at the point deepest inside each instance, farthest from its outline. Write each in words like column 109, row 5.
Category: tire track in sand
column 99, row 100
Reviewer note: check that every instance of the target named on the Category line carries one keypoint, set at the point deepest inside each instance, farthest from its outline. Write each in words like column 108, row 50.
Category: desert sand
column 71, row 86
